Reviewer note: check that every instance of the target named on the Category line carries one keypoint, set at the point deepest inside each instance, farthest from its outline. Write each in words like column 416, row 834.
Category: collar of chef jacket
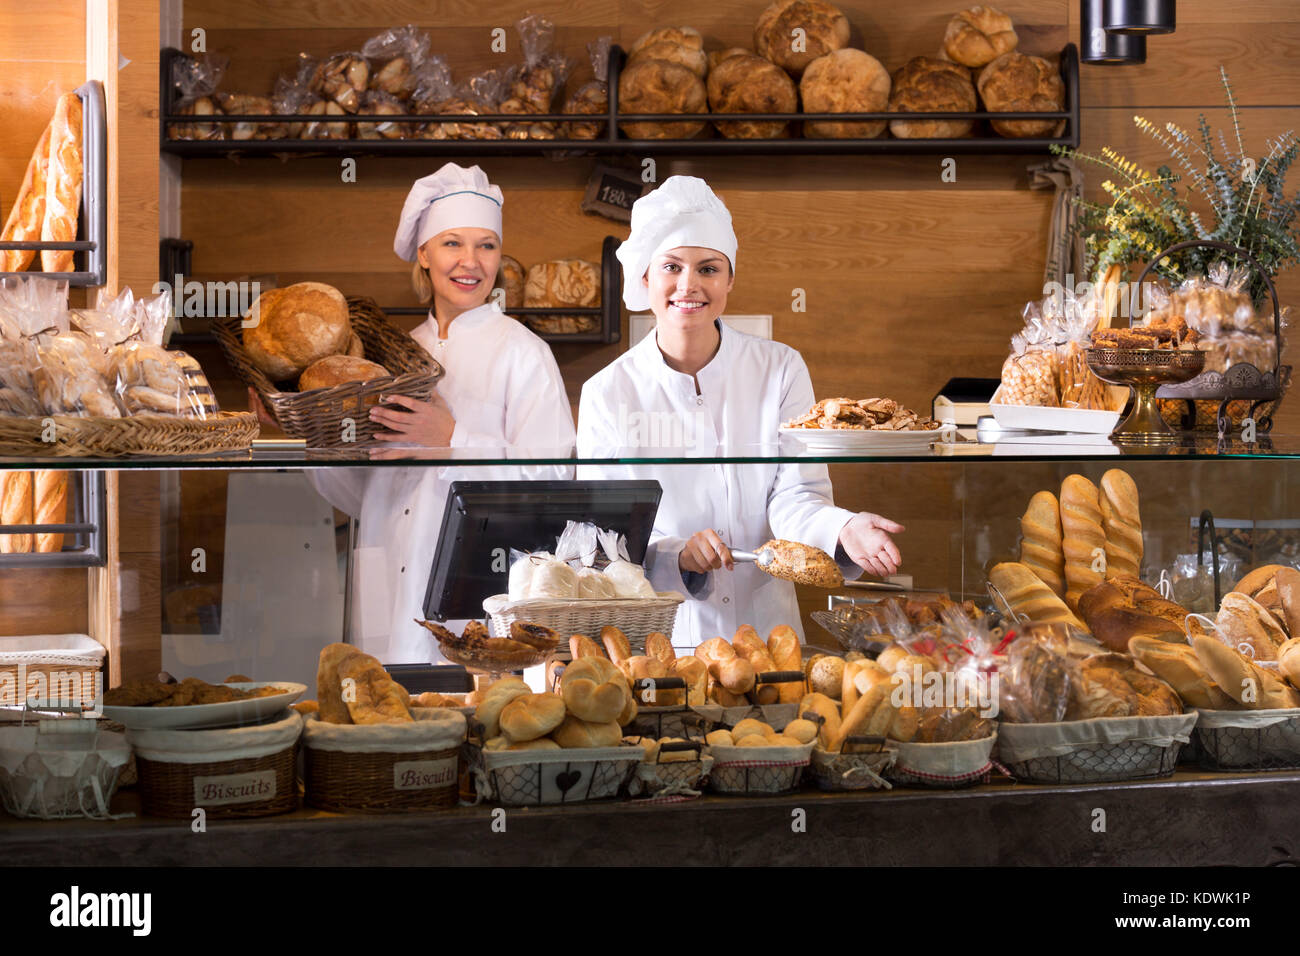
column 711, row 377
column 463, row 323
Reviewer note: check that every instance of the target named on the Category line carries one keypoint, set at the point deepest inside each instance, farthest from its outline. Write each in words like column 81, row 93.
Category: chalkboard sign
column 611, row 192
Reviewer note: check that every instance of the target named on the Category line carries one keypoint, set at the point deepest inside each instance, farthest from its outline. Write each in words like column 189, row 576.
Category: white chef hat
column 452, row 197
column 683, row 211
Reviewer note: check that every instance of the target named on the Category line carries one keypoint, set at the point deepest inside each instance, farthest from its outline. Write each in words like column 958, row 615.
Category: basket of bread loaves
column 99, row 383
column 319, row 361
column 369, row 747
column 529, row 749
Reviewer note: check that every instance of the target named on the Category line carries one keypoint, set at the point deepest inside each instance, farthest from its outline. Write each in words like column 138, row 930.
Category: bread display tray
column 1249, row 739
column 72, row 436
column 529, row 778
column 320, row 416
column 1094, row 751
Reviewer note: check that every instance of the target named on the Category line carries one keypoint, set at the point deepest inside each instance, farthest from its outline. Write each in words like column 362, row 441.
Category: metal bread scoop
column 763, row 558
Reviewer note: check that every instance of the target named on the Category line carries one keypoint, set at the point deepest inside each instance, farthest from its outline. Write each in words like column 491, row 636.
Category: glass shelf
column 1023, row 448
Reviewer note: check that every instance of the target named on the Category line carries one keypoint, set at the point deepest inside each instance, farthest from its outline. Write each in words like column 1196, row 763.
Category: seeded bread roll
column 845, row 81
column 926, row 84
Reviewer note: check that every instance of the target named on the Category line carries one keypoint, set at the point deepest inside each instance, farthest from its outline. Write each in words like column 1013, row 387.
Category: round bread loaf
column 511, row 279
column 561, row 283
column 845, row 81
column 337, row 369
column 747, row 83
column 1022, row 84
column 659, row 86
column 926, row 84
column 717, row 56
column 294, row 327
column 356, row 348
column 827, row 676
column 825, row 29
column 978, row 36
column 681, row 45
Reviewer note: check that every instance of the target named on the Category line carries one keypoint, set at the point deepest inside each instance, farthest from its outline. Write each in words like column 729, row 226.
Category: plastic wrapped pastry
column 629, row 580
column 594, row 585
column 553, row 579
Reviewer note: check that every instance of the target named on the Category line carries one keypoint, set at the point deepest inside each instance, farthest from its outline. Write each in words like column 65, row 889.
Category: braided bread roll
column 63, row 184
column 1082, row 535
column 1122, row 522
column 1040, row 542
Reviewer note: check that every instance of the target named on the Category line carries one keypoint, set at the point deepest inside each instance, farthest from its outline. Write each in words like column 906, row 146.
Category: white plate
column 228, row 714
column 1039, row 418
column 850, row 440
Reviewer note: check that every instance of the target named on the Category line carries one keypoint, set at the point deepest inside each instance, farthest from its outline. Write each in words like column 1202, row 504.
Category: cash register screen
column 484, row 520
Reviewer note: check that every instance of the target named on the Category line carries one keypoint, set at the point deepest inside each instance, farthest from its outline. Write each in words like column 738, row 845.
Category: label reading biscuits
column 234, row 788
column 424, row 774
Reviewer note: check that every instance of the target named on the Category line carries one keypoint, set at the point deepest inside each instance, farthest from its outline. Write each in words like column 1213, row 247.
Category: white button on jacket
column 639, row 407
column 505, row 392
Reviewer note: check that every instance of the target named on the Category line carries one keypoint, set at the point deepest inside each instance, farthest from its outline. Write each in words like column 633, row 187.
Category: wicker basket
column 635, row 617
column 63, row 668
column 318, row 415
column 1249, row 740
column 385, row 768
column 1095, row 751
column 526, row 778
column 230, row 772
column 758, row 771
column 154, row 435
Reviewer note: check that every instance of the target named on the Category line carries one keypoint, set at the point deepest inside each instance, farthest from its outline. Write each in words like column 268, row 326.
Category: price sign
column 611, row 192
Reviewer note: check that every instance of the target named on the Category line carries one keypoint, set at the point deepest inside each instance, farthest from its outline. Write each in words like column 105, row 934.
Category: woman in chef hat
column 712, row 390
column 502, row 390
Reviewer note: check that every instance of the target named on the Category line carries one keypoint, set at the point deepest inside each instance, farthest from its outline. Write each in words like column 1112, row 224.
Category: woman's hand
column 425, row 423
column 705, row 552
column 255, row 404
column 865, row 539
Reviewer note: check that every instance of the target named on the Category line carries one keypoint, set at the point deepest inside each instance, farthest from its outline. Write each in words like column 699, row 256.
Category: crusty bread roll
column 1125, row 607
column 62, row 184
column 978, row 35
column 891, row 655
column 735, row 675
column 720, row 738
column 845, row 81
column 871, row 715
column 1262, row 585
column 1288, row 659
column 658, row 86
column 695, row 673
column 582, row 646
column 1015, row 83
column 751, row 84
column 1121, row 519
column 1288, row 592
column 804, row 731
column 825, row 29
column 640, row 667
column 1250, row 686
column 17, row 504
column 926, row 84
column 725, row 698
column 370, row 694
column 714, row 649
column 495, row 698
column 594, row 690
column 825, row 708
column 827, row 676
column 1029, row 596
column 658, row 645
column 336, row 369
column 616, row 643
column 512, row 278
column 681, row 45
column 530, row 716
column 750, row 725
column 575, row 732
column 328, row 689
column 1182, row 669
column 717, row 56
column 294, row 327
column 1040, row 541
column 1246, row 623
column 49, row 506
column 562, row 283
column 1082, row 536
column 27, row 214
column 746, row 641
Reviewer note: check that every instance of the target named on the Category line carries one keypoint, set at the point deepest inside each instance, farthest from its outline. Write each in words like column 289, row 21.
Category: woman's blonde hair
column 421, row 283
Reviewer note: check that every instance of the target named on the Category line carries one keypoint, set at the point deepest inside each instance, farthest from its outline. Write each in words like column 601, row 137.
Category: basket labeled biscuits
column 319, row 361
column 367, row 750
column 99, row 383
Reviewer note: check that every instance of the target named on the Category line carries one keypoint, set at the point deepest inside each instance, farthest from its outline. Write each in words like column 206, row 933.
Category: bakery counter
column 1189, row 819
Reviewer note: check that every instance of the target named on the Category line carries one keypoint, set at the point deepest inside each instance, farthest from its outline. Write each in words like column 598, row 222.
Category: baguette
column 1029, row 596
column 783, row 645
column 1244, row 621
column 16, row 508
column 28, row 211
column 1251, row 686
column 63, row 184
column 581, row 646
column 1040, row 541
column 50, row 496
column 1081, row 536
column 1122, row 521
column 1178, row 665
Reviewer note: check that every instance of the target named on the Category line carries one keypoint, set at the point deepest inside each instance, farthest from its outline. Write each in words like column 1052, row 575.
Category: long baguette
column 1121, row 519
column 1040, row 541
column 51, row 507
column 63, row 184
column 1082, row 535
column 16, row 508
column 28, row 212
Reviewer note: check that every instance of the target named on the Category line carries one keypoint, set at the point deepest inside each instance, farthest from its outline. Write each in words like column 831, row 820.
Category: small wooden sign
column 612, row 191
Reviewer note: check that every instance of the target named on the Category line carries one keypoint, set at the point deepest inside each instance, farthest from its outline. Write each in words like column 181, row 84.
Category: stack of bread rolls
column 757, row 733
column 665, row 73
column 593, row 702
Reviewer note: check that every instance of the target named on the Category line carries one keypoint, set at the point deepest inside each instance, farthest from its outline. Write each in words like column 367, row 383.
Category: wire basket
column 863, row 768
column 318, row 415
column 1272, row 743
column 949, row 765
column 758, row 771
column 527, row 778
column 1098, row 750
column 75, row 777
column 674, row 779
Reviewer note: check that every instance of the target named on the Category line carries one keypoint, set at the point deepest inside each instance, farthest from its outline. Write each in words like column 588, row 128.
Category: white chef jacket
column 639, row 407
column 505, row 392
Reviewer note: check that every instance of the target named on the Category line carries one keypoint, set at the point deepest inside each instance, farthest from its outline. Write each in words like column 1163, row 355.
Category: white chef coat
column 505, row 392
column 639, row 407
